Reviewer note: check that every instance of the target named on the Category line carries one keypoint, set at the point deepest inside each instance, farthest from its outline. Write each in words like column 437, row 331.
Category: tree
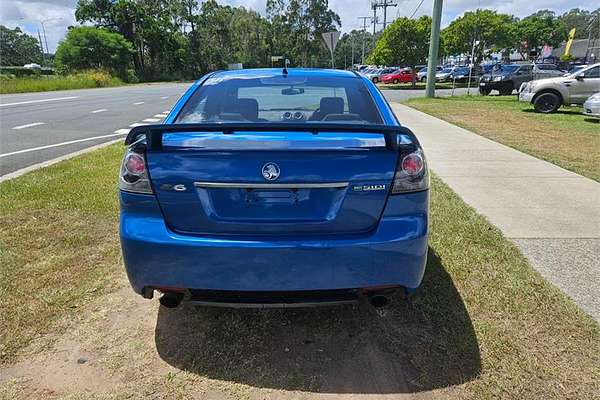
column 537, row 30
column 580, row 20
column 343, row 50
column 297, row 26
column 489, row 28
column 18, row 48
column 404, row 42
column 87, row 47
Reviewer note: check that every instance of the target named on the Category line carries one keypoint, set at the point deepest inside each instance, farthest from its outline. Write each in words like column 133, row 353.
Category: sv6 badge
column 178, row 187
column 368, row 188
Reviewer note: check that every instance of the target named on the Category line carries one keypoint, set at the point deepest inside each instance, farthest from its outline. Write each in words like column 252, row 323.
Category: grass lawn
column 565, row 138
column 483, row 325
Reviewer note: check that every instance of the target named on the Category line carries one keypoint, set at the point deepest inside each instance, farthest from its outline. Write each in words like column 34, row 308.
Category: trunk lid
column 226, row 184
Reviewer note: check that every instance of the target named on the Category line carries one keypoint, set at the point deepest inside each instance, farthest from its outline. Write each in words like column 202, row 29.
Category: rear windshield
column 293, row 99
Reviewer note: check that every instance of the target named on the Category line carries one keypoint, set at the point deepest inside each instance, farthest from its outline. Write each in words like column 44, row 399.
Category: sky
column 56, row 15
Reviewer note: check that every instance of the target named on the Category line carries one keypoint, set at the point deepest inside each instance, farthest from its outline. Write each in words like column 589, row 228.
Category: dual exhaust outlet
column 173, row 300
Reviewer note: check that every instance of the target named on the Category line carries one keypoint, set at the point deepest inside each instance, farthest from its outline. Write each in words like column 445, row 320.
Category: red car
column 399, row 76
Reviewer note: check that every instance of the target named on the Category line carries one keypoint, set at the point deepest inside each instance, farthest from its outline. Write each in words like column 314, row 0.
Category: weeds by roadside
column 82, row 80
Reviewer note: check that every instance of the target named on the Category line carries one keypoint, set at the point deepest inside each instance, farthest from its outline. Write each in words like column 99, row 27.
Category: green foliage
column 536, row 30
column 580, row 20
column 180, row 39
column 567, row 58
column 354, row 39
column 18, row 48
column 80, row 80
column 297, row 26
column 87, row 47
column 491, row 29
column 404, row 42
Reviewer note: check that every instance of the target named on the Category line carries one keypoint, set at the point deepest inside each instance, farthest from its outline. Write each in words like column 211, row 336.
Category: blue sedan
column 275, row 187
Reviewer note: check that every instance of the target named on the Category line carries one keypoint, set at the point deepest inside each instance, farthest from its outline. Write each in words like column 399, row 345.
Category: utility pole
column 382, row 4
column 352, row 38
column 374, row 20
column 42, row 47
column 362, row 59
column 434, row 45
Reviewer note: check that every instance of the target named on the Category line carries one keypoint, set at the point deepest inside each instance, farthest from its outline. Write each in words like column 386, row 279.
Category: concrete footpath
column 552, row 214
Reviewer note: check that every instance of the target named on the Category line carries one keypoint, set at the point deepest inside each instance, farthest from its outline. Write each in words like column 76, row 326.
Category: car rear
column 266, row 187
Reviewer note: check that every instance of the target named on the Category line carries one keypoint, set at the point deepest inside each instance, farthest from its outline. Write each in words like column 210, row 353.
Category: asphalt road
column 37, row 127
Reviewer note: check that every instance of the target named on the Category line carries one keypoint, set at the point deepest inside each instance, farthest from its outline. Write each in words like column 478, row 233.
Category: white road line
column 39, row 101
column 166, row 112
column 136, row 124
column 98, row 111
column 160, row 115
column 152, row 120
column 138, row 103
column 164, row 97
column 23, row 171
column 123, row 131
column 28, row 125
column 58, row 145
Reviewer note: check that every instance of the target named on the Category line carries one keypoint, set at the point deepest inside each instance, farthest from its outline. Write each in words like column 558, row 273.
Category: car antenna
column 285, row 64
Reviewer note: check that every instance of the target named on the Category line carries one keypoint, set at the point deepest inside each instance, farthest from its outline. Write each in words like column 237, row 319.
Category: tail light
column 411, row 173
column 133, row 176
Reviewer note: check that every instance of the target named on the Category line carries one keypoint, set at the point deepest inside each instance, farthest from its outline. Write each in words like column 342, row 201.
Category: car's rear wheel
column 546, row 103
column 395, row 81
column 484, row 91
column 506, row 89
column 375, row 80
column 424, row 79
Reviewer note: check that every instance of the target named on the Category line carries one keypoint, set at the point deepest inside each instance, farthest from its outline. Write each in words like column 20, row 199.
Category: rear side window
column 293, row 99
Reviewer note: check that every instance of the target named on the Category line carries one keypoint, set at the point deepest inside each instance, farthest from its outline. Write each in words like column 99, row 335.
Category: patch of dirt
column 123, row 346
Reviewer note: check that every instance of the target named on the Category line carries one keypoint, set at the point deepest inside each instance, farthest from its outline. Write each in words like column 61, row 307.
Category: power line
column 416, row 9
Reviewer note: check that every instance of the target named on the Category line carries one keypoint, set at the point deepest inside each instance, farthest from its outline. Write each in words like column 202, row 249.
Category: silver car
column 376, row 75
column 591, row 107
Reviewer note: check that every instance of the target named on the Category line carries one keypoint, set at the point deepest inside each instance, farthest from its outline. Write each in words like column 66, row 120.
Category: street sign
column 331, row 39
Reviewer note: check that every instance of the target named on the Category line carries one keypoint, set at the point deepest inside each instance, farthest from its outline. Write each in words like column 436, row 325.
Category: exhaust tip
column 171, row 300
column 378, row 300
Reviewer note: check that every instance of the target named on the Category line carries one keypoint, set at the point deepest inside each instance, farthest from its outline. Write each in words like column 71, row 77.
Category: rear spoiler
column 394, row 135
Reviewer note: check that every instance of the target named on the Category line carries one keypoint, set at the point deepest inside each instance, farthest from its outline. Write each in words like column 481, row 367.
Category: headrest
column 248, row 108
column 331, row 105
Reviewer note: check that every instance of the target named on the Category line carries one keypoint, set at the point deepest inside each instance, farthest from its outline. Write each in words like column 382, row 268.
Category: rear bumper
column 394, row 254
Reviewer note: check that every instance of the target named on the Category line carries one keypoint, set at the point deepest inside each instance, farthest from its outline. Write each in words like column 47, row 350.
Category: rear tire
column 484, row 91
column 424, row 79
column 546, row 103
column 506, row 90
column 395, row 81
column 375, row 80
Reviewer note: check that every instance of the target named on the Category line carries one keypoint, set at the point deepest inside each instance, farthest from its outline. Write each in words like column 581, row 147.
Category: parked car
column 398, row 76
column 547, row 95
column 505, row 78
column 274, row 187
column 444, row 75
column 461, row 74
column 591, row 107
column 574, row 69
column 422, row 74
column 376, row 75
column 546, row 70
column 32, row 66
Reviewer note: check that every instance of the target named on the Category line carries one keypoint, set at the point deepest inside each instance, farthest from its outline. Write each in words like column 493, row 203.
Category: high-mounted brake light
column 133, row 176
column 411, row 174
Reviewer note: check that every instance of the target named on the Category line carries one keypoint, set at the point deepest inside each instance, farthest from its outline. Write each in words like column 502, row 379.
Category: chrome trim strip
column 242, row 185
